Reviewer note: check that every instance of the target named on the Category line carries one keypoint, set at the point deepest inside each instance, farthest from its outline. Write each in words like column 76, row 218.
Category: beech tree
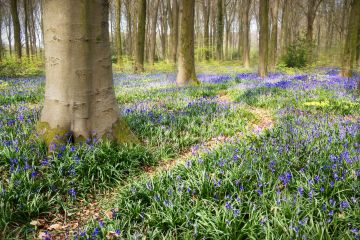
column 118, row 31
column 274, row 34
column 16, row 27
column 263, row 37
column 140, row 36
column 186, row 61
column 79, row 93
column 220, row 30
column 351, row 41
column 246, row 31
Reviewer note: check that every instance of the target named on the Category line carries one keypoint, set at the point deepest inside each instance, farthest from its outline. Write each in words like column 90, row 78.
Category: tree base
column 119, row 132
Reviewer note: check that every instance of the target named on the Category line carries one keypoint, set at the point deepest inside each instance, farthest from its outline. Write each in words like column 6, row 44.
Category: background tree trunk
column 26, row 27
column 79, row 93
column 206, row 6
column 174, row 27
column 140, row 37
column 284, row 37
column 16, row 27
column 118, row 31
column 351, row 42
column 1, row 43
column 186, row 60
column 153, row 32
column 263, row 37
column 274, row 35
column 220, row 30
column 246, row 38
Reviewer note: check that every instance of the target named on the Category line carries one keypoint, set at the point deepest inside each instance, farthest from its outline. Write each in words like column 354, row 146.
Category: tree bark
column 16, row 27
column 206, row 5
column 274, row 35
column 26, row 27
column 186, row 60
column 79, row 92
column 351, row 41
column 246, row 39
column 313, row 6
column 118, row 31
column 153, row 32
column 174, row 27
column 140, row 37
column 220, row 30
column 1, row 43
column 285, row 31
column 263, row 37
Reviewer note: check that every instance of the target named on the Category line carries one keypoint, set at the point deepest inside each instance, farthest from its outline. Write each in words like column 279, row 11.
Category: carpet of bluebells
column 297, row 180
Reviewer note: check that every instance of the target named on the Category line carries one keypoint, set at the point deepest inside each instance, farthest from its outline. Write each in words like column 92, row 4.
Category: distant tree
column 140, row 36
column 154, row 18
column 79, row 93
column 351, row 41
column 219, row 29
column 1, row 24
column 246, row 37
column 274, row 34
column 173, row 11
column 16, row 27
column 312, row 8
column 118, row 31
column 26, row 27
column 206, row 6
column 186, row 61
column 263, row 37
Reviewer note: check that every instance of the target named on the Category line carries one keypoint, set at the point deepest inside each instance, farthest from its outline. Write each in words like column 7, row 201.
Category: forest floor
column 237, row 157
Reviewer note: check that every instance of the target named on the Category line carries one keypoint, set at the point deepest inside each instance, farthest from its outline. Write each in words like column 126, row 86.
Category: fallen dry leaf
column 55, row 226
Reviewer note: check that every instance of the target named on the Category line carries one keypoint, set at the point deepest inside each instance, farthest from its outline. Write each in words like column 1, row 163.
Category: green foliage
column 298, row 54
column 12, row 67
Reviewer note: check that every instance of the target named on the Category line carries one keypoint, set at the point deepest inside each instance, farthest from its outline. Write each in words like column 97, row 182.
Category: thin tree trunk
column 153, row 32
column 1, row 43
column 206, row 5
column 79, row 93
column 284, row 27
column 26, row 27
column 174, row 28
column 263, row 37
column 186, row 60
column 274, row 35
column 140, row 37
column 118, row 31
column 220, row 30
column 246, row 39
column 16, row 27
column 351, row 42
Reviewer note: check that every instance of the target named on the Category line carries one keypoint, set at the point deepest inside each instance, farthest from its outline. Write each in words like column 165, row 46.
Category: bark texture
column 153, row 32
column 263, row 37
column 246, row 29
column 118, row 31
column 79, row 93
column 219, row 29
column 173, row 10
column 186, row 60
column 140, row 37
column 274, row 35
column 351, row 41
column 16, row 27
column 26, row 27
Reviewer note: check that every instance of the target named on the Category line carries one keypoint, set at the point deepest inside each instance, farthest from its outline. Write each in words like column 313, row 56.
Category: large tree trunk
column 274, row 35
column 220, row 30
column 263, row 37
column 140, row 37
column 186, row 60
column 246, row 30
column 16, row 27
column 26, row 27
column 313, row 6
column 79, row 93
column 153, row 32
column 351, row 42
column 118, row 31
